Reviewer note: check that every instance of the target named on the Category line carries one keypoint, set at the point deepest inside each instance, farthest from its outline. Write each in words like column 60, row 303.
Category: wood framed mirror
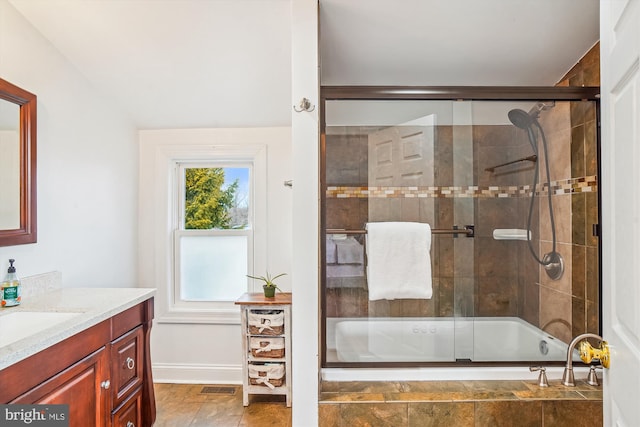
column 18, row 129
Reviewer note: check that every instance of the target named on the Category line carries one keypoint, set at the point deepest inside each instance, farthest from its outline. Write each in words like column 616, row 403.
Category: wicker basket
column 270, row 347
column 269, row 375
column 266, row 322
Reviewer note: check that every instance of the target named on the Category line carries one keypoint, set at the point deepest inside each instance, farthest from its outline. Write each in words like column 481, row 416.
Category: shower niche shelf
column 266, row 345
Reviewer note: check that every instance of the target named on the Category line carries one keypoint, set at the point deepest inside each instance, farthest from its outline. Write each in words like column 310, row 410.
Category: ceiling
column 227, row 63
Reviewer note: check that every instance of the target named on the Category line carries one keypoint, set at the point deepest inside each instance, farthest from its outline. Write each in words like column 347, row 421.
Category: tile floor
column 185, row 405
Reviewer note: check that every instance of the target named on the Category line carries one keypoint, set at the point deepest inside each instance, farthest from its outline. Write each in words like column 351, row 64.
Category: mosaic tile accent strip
column 584, row 184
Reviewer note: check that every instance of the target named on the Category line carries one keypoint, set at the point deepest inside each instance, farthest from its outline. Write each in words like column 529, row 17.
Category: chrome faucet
column 587, row 354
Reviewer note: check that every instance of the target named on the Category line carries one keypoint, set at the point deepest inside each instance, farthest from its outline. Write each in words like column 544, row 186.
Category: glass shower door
column 390, row 162
column 461, row 165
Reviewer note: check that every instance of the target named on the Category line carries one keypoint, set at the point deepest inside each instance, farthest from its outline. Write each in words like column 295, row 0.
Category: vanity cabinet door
column 84, row 386
column 126, row 364
column 130, row 413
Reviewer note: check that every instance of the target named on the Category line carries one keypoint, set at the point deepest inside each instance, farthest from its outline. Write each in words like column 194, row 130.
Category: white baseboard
column 196, row 374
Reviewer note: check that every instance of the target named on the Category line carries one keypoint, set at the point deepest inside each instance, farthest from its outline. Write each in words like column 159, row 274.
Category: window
column 185, row 264
column 218, row 204
column 215, row 234
column 214, row 231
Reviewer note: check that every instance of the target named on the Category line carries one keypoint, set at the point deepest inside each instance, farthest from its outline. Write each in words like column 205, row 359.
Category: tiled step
column 456, row 403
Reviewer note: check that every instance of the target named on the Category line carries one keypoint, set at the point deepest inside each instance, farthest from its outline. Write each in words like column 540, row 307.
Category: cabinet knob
column 130, row 363
column 130, row 424
column 105, row 384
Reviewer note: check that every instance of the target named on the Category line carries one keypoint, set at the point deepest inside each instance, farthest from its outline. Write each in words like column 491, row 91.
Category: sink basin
column 20, row 324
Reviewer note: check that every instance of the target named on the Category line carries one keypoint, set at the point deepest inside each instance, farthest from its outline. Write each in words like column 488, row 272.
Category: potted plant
column 269, row 286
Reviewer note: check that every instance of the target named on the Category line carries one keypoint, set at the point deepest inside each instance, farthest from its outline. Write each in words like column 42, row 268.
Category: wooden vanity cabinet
column 103, row 373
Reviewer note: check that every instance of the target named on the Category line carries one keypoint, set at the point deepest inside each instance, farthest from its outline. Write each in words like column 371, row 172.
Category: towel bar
column 469, row 230
column 532, row 159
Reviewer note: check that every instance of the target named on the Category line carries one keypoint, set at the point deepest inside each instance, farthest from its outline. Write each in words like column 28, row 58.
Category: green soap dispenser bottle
column 10, row 287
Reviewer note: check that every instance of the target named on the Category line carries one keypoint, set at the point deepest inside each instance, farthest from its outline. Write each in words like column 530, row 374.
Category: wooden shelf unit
column 250, row 305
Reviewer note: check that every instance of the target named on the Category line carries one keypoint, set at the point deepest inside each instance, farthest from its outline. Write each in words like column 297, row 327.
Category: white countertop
column 93, row 305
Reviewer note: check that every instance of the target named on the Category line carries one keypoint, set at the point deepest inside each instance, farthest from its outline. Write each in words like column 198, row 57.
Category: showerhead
column 520, row 118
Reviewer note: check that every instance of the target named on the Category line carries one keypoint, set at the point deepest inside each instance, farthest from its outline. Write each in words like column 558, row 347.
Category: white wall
column 306, row 225
column 206, row 349
column 88, row 198
column 87, row 167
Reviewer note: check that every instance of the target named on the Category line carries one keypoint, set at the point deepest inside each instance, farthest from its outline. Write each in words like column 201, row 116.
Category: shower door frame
column 442, row 93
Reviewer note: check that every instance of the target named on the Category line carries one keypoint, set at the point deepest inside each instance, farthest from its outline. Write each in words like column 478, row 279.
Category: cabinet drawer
column 130, row 413
column 266, row 322
column 127, row 363
column 267, row 347
column 270, row 375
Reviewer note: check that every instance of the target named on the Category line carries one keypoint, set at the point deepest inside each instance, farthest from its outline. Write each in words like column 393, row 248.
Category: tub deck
column 457, row 403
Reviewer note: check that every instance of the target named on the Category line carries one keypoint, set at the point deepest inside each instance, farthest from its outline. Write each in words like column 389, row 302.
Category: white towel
column 331, row 251
column 398, row 260
column 345, row 270
column 349, row 251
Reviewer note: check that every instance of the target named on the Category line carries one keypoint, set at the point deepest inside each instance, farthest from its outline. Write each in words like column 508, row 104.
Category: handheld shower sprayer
column 552, row 261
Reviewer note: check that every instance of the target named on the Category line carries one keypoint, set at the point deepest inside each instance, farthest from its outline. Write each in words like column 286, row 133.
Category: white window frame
column 160, row 179
column 180, row 231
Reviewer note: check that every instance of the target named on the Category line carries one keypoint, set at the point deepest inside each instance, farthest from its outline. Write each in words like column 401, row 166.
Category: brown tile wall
column 569, row 307
column 511, row 282
column 499, row 263
column 555, row 295
column 346, row 168
column 584, row 159
column 347, row 164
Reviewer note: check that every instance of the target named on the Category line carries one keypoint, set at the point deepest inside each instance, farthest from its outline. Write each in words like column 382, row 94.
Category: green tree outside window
column 208, row 204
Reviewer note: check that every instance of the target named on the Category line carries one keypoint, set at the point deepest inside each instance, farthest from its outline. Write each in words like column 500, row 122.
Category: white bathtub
column 481, row 339
column 488, row 373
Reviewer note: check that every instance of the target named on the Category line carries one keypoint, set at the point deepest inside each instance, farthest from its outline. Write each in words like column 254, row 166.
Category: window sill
column 212, row 316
